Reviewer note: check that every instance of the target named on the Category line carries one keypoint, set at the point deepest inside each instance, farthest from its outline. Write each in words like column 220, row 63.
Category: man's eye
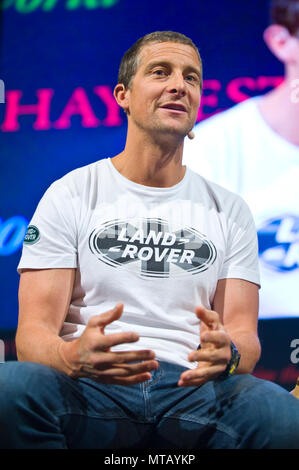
column 159, row 72
column 191, row 78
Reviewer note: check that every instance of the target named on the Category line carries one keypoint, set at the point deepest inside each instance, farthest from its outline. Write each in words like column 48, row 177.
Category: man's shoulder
column 224, row 197
column 82, row 171
column 79, row 177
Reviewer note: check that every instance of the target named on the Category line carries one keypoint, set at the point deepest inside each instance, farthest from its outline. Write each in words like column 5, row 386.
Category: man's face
column 165, row 92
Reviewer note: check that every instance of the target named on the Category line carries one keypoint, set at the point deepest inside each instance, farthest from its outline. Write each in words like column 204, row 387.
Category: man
column 253, row 149
column 128, row 264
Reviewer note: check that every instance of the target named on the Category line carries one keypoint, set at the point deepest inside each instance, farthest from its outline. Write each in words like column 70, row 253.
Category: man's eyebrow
column 194, row 70
column 165, row 63
column 155, row 63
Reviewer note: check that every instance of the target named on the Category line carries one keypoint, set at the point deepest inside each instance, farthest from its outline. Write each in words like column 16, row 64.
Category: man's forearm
column 249, row 347
column 38, row 344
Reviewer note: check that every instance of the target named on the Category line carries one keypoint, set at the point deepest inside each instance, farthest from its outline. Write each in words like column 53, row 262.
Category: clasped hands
column 92, row 356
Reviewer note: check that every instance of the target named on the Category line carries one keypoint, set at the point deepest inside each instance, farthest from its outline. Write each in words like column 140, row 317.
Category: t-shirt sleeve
column 51, row 240
column 241, row 257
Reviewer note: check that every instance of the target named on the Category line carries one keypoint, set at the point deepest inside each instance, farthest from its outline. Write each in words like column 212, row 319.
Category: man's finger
column 132, row 380
column 125, row 370
column 197, row 377
column 106, row 318
column 114, row 339
column 217, row 338
column 208, row 317
column 204, row 355
column 208, row 355
column 108, row 358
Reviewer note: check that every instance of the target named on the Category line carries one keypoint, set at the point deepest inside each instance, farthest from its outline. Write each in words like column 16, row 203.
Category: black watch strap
column 232, row 364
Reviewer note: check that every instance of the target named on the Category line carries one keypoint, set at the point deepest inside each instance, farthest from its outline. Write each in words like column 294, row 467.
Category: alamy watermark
column 2, row 351
column 295, row 353
column 2, row 92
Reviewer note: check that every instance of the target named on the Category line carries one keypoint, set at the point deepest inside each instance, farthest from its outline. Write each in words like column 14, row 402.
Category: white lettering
column 130, row 250
column 2, row 351
column 152, row 235
column 292, row 256
column 156, row 237
column 168, row 242
column 115, row 460
column 146, row 253
column 169, row 459
column 295, row 354
column 2, row 92
column 273, row 254
column 159, row 257
column 138, row 235
column 161, row 459
column 121, row 236
column 187, row 256
column 147, row 256
column 284, row 233
column 154, row 459
column 173, row 255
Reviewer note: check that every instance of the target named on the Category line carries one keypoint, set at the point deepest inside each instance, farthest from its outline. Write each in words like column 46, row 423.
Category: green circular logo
column 32, row 235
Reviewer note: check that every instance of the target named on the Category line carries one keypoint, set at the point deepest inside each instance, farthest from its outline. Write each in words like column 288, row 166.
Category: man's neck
column 151, row 163
column 280, row 111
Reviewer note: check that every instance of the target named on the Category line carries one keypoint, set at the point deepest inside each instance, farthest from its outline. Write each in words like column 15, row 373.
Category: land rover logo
column 32, row 235
column 152, row 248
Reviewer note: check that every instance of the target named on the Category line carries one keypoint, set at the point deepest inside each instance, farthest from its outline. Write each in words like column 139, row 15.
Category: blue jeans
column 43, row 408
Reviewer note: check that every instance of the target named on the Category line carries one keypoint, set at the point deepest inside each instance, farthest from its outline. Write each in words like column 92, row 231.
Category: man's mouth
column 174, row 107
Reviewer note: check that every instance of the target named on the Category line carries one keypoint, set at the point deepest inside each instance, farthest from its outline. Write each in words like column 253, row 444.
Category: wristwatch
column 232, row 364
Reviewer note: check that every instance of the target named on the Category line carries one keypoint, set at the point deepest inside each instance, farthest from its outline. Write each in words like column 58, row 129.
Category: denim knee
column 268, row 414
column 22, row 382
column 26, row 406
column 17, row 378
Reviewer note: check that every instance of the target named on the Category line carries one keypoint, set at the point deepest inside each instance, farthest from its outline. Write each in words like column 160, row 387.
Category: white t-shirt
column 240, row 151
column 159, row 251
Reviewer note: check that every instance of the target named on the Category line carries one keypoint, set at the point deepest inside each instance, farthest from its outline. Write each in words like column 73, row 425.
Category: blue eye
column 191, row 78
column 159, row 72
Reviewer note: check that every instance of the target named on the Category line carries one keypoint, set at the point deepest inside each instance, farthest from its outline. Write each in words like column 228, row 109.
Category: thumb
column 104, row 319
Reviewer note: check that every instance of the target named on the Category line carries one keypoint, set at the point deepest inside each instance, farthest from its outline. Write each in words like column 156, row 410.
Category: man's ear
column 121, row 95
column 279, row 41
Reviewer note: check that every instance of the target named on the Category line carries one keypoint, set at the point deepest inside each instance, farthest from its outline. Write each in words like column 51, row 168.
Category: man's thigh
column 239, row 412
column 44, row 408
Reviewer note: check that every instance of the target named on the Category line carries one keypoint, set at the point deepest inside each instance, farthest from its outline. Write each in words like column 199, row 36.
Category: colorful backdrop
column 58, row 67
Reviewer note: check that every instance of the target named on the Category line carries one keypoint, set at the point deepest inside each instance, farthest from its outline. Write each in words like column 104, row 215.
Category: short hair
column 130, row 61
column 286, row 13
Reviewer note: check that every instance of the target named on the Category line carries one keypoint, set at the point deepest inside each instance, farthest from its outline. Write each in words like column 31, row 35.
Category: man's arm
column 44, row 298
column 233, row 318
column 237, row 303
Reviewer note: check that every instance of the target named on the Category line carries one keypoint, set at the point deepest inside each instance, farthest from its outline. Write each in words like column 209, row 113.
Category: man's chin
column 173, row 131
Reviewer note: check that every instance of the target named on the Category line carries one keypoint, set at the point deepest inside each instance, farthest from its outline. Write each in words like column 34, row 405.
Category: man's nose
column 177, row 84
